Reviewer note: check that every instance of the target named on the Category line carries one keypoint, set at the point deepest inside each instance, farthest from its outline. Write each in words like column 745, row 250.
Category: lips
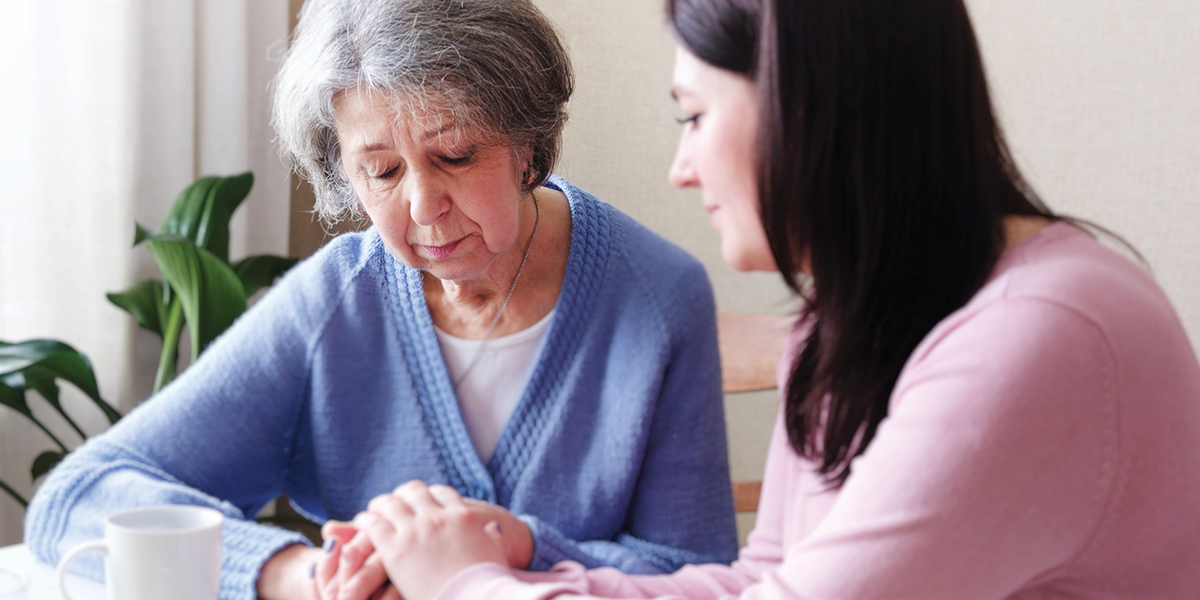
column 444, row 250
column 712, row 209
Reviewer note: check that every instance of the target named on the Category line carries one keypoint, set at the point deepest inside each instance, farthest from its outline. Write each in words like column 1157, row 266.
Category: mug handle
column 61, row 576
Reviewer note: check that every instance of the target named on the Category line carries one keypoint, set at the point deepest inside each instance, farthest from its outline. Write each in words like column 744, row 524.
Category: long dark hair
column 722, row 33
column 885, row 172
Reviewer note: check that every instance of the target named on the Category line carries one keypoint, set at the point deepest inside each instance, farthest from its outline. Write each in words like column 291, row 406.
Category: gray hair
column 497, row 65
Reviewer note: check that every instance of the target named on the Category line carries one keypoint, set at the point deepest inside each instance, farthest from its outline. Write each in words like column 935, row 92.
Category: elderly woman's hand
column 423, row 536
column 287, row 574
column 349, row 568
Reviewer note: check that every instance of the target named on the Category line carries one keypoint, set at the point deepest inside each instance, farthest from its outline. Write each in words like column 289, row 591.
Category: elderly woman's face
column 443, row 198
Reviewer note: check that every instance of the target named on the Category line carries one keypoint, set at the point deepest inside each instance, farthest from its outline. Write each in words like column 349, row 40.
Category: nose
column 683, row 171
column 427, row 198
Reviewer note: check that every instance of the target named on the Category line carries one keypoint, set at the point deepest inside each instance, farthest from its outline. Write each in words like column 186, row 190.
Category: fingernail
column 312, row 570
column 328, row 545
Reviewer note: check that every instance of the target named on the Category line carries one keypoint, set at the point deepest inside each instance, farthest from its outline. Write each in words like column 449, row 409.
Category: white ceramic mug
column 156, row 553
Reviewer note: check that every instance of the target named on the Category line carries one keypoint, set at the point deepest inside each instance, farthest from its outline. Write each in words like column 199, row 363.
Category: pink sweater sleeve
column 997, row 459
column 992, row 470
column 763, row 553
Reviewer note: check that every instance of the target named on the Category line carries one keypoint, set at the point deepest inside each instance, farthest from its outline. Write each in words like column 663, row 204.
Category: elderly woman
column 497, row 330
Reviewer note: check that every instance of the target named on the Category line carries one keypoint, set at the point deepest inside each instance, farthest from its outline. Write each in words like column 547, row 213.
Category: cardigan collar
column 587, row 262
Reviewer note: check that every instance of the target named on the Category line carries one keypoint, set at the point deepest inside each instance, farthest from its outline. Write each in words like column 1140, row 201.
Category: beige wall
column 1101, row 99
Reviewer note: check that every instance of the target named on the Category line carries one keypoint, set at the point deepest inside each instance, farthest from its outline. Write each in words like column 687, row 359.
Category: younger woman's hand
column 517, row 538
column 425, row 536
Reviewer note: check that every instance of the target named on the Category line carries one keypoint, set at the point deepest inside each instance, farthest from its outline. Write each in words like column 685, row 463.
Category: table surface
column 43, row 585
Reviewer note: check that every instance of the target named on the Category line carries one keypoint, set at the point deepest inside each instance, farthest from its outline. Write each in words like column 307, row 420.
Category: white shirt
column 489, row 391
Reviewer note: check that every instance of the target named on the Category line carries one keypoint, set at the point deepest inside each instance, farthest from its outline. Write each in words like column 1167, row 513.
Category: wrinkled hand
column 424, row 536
column 286, row 575
column 349, row 569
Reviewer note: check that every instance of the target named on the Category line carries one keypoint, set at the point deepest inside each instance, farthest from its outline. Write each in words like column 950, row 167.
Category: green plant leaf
column 224, row 197
column 12, row 393
column 186, row 212
column 54, row 355
column 169, row 356
column 260, row 271
column 15, row 357
column 43, row 382
column 44, row 462
column 210, row 292
column 145, row 302
column 202, row 212
column 140, row 233
column 59, row 360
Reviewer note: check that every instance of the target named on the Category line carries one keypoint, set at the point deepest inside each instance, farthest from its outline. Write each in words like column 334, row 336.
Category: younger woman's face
column 717, row 155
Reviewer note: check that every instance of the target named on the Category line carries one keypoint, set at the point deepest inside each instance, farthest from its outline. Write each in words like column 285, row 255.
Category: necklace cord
column 511, row 288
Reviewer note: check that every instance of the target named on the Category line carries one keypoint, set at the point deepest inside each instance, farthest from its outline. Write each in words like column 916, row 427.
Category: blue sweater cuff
column 549, row 546
column 247, row 547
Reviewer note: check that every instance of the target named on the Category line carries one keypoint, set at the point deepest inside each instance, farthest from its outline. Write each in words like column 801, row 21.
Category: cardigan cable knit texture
column 333, row 389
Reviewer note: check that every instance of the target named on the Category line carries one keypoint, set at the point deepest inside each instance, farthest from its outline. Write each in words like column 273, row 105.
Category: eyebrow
column 377, row 146
column 432, row 133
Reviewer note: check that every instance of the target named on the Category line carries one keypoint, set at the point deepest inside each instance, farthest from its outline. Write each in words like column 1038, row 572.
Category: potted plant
column 202, row 290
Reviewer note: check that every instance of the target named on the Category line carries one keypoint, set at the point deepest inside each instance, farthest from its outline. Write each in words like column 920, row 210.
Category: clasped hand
column 409, row 543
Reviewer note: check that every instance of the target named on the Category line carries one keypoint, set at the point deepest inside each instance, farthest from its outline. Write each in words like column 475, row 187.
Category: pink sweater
column 1042, row 442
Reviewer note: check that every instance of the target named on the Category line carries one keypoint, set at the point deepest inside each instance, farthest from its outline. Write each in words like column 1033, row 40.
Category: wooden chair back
column 750, row 347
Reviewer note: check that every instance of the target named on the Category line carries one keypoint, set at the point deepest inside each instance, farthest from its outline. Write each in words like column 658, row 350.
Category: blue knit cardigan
column 333, row 389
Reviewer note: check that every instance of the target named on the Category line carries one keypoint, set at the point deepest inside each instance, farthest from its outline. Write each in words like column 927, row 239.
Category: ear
column 523, row 160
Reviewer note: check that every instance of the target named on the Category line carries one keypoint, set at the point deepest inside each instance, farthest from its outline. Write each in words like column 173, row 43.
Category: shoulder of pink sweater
column 1067, row 268
column 1065, row 265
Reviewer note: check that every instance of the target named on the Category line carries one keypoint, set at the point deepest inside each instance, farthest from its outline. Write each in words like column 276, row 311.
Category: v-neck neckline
column 494, row 481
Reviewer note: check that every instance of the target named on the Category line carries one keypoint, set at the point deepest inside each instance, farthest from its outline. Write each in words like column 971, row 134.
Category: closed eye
column 388, row 174
column 455, row 161
column 694, row 119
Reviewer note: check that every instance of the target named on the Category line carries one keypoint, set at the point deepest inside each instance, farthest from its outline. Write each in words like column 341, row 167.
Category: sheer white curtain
column 110, row 108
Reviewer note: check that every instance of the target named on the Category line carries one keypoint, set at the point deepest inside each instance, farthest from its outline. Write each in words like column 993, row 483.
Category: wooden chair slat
column 750, row 347
column 745, row 495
